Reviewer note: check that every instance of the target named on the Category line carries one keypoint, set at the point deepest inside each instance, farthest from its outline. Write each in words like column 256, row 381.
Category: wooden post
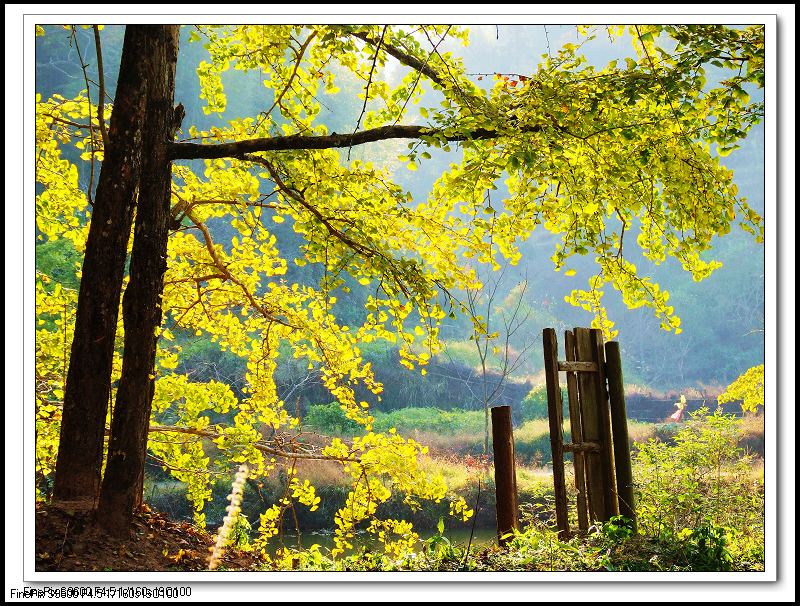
column 576, row 431
column 555, row 414
column 619, row 425
column 592, row 429
column 505, row 474
column 604, row 409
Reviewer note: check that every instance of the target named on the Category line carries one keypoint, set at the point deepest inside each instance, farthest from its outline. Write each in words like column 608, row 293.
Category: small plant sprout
column 235, row 507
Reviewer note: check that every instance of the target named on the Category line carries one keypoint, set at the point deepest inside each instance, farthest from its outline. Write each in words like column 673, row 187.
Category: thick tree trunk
column 87, row 393
column 141, row 304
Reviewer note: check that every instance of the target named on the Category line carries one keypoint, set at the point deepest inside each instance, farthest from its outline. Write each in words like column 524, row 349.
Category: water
column 482, row 537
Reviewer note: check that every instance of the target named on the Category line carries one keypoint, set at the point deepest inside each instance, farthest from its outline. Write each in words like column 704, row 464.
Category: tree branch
column 279, row 98
column 101, row 113
column 369, row 79
column 213, row 435
column 74, row 37
column 191, row 151
column 404, row 58
column 416, row 81
column 226, row 272
column 300, row 199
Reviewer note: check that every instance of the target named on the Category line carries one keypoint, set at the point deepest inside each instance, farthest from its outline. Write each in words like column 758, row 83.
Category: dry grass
column 708, row 392
column 639, row 431
column 323, row 473
column 533, row 430
column 444, row 444
column 320, row 473
column 459, row 476
column 751, row 436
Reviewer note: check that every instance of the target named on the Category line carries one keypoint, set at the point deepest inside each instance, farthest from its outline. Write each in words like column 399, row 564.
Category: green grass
column 443, row 422
column 461, row 433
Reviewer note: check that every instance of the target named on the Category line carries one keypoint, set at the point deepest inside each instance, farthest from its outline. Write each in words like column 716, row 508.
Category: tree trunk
column 141, row 304
column 88, row 386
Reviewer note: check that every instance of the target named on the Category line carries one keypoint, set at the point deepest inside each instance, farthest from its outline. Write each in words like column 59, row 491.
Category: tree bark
column 141, row 304
column 88, row 385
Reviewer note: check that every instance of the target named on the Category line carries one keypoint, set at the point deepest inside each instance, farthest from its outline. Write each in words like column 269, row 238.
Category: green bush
column 59, row 260
column 534, row 405
column 331, row 418
column 701, row 490
column 707, row 548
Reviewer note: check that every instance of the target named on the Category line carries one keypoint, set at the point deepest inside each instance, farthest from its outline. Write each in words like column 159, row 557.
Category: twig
column 101, row 112
column 369, row 82
column 64, row 541
column 89, row 189
column 416, row 82
column 474, row 521
column 622, row 233
column 279, row 98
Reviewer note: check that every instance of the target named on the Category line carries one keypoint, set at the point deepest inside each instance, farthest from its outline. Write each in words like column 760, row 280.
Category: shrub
column 701, row 482
column 707, row 548
column 331, row 418
column 205, row 361
column 534, row 405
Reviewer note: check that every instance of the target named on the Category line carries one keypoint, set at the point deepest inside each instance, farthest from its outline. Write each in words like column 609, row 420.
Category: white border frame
column 23, row 333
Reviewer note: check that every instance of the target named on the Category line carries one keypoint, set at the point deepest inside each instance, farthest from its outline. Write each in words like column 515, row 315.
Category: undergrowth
column 699, row 502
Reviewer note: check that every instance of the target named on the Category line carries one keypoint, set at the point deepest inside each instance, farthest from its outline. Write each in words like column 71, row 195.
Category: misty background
column 722, row 316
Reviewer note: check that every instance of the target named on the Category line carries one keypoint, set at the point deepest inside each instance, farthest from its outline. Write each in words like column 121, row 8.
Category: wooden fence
column 598, row 428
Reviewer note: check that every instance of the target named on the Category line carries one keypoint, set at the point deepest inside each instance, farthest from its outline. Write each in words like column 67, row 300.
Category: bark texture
column 88, row 386
column 141, row 304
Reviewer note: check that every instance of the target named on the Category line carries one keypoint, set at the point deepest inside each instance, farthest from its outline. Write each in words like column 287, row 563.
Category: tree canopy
column 612, row 160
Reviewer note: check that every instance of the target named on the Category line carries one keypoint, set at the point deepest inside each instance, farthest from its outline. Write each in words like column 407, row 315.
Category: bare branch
column 74, row 37
column 369, row 80
column 101, row 113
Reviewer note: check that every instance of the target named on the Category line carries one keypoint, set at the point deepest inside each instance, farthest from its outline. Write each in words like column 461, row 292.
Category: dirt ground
column 67, row 540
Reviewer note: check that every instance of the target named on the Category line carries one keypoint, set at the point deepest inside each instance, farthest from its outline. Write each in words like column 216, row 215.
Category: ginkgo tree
column 591, row 154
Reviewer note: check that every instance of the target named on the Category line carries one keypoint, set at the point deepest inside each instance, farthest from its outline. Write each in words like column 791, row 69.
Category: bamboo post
column 505, row 475
column 576, row 431
column 555, row 415
column 599, row 357
column 592, row 429
column 619, row 425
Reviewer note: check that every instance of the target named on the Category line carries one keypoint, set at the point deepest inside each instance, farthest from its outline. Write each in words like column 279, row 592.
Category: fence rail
column 598, row 428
